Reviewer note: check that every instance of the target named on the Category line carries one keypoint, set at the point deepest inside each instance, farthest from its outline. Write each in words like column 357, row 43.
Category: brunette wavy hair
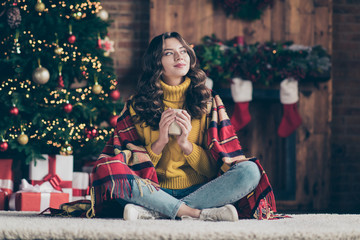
column 148, row 100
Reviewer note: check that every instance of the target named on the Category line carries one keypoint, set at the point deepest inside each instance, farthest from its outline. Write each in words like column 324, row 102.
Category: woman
column 185, row 167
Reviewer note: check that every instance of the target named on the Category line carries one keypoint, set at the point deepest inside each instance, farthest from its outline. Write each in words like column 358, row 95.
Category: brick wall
column 345, row 167
column 130, row 31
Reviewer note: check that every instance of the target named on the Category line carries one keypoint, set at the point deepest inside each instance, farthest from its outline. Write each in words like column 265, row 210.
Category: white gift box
column 80, row 185
column 57, row 169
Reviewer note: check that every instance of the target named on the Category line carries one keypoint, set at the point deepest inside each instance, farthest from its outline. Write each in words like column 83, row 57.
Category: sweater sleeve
column 199, row 161
column 155, row 158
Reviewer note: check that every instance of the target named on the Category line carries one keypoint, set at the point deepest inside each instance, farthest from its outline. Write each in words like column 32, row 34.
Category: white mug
column 174, row 128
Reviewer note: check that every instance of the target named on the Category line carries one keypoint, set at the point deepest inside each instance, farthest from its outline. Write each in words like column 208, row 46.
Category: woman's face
column 175, row 61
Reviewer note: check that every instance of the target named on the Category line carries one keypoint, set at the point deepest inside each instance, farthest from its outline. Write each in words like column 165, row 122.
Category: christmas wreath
column 247, row 10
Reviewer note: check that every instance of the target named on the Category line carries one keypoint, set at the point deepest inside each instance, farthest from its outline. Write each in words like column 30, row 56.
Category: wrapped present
column 57, row 169
column 80, row 185
column 38, row 202
column 37, row 198
column 6, row 176
column 3, row 200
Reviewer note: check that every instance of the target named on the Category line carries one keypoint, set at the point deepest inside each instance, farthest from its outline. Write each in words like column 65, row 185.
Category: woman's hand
column 167, row 117
column 183, row 119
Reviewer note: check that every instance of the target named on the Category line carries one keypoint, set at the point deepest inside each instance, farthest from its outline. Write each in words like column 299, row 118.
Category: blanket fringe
column 91, row 212
column 117, row 188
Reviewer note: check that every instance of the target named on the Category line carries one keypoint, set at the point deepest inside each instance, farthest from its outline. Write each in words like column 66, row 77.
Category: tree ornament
column 39, row 6
column 91, row 132
column 71, row 38
column 4, row 146
column 108, row 46
column 103, row 15
column 68, row 107
column 66, row 149
column 115, row 94
column 99, row 45
column 113, row 120
column 59, row 50
column 13, row 17
column 14, row 111
column 60, row 79
column 97, row 88
column 40, row 75
column 23, row 139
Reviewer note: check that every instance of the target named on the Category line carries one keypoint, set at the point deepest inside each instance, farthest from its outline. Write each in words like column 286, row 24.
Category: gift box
column 6, row 176
column 80, row 185
column 3, row 200
column 38, row 201
column 57, row 169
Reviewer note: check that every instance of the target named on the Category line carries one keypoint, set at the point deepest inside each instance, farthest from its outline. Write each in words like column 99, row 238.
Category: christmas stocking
column 241, row 92
column 289, row 97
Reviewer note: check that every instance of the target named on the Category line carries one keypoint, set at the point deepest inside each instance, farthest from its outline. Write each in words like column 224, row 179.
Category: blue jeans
column 230, row 187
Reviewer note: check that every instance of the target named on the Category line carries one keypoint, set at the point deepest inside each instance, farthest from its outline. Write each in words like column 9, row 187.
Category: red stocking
column 241, row 116
column 290, row 121
column 241, row 92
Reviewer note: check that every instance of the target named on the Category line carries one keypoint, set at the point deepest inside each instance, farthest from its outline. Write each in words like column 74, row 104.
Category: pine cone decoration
column 13, row 17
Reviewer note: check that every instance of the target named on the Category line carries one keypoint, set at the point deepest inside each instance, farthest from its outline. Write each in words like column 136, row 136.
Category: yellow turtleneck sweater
column 174, row 169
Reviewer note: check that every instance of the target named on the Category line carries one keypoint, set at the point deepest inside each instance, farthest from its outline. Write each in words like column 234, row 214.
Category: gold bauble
column 39, row 6
column 59, row 50
column 97, row 88
column 66, row 149
column 41, row 75
column 23, row 139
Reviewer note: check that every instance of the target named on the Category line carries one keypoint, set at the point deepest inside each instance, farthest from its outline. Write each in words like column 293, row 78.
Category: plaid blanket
column 124, row 160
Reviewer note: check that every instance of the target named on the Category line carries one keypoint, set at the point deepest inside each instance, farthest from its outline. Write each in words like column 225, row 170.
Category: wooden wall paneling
column 278, row 21
column 220, row 23
column 233, row 28
column 189, row 18
column 322, row 26
column 157, row 17
column 205, row 19
column 293, row 19
column 305, row 143
column 306, row 24
column 259, row 30
column 174, row 16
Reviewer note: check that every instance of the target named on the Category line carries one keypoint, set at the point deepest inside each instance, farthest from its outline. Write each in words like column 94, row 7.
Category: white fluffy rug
column 25, row 225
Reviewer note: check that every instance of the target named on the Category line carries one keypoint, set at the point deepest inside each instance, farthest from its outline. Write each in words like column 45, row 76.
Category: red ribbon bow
column 54, row 180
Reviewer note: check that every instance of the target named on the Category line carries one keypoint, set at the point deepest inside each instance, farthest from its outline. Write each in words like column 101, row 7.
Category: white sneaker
column 133, row 212
column 225, row 213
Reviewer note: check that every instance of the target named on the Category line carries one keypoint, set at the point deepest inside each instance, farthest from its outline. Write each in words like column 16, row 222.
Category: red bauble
column 68, row 107
column 91, row 132
column 4, row 146
column 71, row 38
column 14, row 111
column 113, row 120
column 115, row 95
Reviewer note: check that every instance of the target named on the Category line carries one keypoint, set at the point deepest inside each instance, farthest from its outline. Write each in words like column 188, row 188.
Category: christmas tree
column 58, row 89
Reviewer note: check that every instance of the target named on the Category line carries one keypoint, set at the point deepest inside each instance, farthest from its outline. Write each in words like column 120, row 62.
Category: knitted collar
column 175, row 93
